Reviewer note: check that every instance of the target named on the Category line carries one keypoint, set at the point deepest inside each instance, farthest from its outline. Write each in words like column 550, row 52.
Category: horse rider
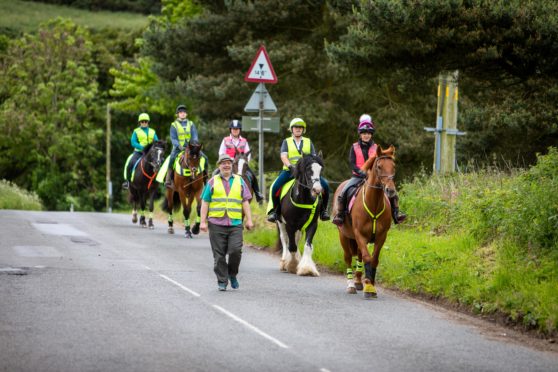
column 182, row 131
column 234, row 143
column 141, row 137
column 359, row 153
column 292, row 149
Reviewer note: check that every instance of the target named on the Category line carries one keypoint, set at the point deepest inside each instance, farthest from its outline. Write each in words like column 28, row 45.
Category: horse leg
column 134, row 211
column 359, row 267
column 186, row 212
column 151, row 201
column 196, row 228
column 369, row 290
column 142, row 222
column 348, row 257
column 170, row 205
column 285, row 244
column 292, row 262
column 307, row 265
column 371, row 266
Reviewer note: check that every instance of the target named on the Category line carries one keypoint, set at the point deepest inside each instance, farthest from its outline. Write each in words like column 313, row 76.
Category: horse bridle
column 193, row 170
column 381, row 185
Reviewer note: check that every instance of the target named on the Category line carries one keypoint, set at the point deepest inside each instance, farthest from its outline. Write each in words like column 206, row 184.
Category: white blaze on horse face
column 316, row 185
column 241, row 164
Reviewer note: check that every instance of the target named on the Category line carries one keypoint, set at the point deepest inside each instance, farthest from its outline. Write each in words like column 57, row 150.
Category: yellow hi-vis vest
column 293, row 154
column 221, row 202
column 145, row 139
column 184, row 134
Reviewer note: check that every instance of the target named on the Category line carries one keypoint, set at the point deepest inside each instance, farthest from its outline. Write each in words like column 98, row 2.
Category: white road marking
column 180, row 285
column 250, row 326
column 226, row 312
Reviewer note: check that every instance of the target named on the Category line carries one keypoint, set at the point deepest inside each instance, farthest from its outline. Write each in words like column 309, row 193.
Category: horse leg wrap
column 359, row 267
column 187, row 224
column 150, row 215
column 370, row 272
column 349, row 273
column 198, row 219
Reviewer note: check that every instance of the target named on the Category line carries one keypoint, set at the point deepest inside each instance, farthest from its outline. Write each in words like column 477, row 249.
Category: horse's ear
column 379, row 151
column 390, row 151
column 320, row 154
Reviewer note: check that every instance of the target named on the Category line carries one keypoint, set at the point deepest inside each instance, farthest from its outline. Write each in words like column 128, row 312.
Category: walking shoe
column 234, row 282
column 222, row 286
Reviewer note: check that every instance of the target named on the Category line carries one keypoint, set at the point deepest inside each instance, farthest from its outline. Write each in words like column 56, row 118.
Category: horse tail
column 176, row 201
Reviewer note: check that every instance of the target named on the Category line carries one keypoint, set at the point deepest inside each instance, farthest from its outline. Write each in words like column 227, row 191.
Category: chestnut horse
column 368, row 220
column 189, row 180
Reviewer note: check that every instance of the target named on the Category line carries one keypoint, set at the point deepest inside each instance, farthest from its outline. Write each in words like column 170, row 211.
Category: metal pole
column 261, row 143
column 109, row 183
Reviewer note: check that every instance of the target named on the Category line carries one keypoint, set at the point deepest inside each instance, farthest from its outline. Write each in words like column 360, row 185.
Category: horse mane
column 309, row 158
column 390, row 151
column 154, row 144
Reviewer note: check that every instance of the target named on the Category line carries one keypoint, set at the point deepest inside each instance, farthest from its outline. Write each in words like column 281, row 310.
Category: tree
column 49, row 114
column 506, row 52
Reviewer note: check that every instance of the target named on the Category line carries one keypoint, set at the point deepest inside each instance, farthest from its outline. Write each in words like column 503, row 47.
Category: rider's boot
column 126, row 185
column 324, row 215
column 397, row 216
column 340, row 215
column 169, row 178
column 273, row 214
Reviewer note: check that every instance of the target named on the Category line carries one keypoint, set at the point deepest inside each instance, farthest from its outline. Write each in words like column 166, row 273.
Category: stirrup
column 324, row 216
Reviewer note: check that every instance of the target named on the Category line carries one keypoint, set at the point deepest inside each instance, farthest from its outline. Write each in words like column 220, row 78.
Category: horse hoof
column 170, row 230
column 282, row 266
column 370, row 291
column 351, row 290
column 143, row 226
column 134, row 219
column 359, row 286
column 370, row 295
column 151, row 227
column 188, row 235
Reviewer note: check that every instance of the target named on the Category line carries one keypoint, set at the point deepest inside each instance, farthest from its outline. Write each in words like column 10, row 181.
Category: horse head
column 307, row 173
column 155, row 154
column 380, row 170
column 240, row 163
column 192, row 157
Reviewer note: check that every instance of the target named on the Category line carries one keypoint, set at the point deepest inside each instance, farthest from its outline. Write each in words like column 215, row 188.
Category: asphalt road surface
column 93, row 292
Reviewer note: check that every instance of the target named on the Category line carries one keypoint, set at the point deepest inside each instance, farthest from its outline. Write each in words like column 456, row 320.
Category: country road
column 93, row 292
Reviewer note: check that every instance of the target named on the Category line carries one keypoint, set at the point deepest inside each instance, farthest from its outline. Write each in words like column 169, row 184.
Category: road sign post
column 261, row 71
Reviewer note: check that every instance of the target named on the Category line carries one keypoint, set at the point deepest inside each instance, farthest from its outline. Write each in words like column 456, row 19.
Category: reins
column 150, row 178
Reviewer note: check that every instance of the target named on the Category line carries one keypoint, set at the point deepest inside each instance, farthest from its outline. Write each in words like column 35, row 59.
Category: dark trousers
column 225, row 240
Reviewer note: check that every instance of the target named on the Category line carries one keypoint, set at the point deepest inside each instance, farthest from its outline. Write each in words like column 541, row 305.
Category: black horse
column 143, row 184
column 300, row 209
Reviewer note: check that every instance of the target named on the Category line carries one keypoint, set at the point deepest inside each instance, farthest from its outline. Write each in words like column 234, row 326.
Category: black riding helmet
column 181, row 108
column 235, row 124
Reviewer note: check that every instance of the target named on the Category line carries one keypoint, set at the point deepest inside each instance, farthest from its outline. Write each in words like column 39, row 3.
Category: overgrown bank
column 486, row 241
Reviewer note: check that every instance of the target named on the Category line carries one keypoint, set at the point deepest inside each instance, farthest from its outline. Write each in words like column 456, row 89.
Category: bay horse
column 368, row 220
column 300, row 209
column 189, row 180
column 142, row 185
column 240, row 166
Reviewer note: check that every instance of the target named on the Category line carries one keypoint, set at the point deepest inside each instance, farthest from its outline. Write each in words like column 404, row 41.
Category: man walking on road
column 224, row 200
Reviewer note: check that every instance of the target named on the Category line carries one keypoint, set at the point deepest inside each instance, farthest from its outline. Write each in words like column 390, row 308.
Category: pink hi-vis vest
column 360, row 156
column 231, row 149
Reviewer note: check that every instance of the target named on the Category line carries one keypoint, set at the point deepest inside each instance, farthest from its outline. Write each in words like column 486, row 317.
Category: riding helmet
column 297, row 122
column 235, row 124
column 143, row 117
column 181, row 108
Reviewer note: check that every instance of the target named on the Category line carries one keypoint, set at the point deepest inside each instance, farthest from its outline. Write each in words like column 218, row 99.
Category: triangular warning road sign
column 261, row 70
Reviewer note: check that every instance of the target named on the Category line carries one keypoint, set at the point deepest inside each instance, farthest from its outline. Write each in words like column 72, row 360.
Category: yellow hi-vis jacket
column 221, row 202
column 293, row 154
column 144, row 139
column 184, row 134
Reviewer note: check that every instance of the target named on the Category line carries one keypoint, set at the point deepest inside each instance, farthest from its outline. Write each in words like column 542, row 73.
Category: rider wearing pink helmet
column 359, row 153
